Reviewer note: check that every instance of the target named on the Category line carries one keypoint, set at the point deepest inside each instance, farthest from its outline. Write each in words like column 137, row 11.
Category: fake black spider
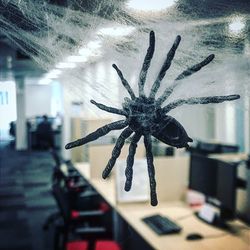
column 145, row 117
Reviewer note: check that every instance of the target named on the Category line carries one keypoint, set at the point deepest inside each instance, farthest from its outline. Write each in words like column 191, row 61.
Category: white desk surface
column 134, row 212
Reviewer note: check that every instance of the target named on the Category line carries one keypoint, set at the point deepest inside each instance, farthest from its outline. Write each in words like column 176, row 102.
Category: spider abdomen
column 171, row 132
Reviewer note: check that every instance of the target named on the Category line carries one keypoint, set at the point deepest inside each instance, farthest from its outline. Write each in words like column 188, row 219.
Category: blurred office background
column 57, row 55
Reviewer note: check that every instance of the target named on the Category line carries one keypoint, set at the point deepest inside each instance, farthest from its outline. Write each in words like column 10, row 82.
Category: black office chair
column 71, row 174
column 77, row 187
column 78, row 227
column 81, row 195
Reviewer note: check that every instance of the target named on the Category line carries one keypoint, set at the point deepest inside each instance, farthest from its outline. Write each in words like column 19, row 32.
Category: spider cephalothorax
column 147, row 117
column 144, row 116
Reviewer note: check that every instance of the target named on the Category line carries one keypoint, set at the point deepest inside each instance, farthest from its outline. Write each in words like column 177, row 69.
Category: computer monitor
column 205, row 148
column 226, row 188
column 217, row 180
column 229, row 148
column 203, row 174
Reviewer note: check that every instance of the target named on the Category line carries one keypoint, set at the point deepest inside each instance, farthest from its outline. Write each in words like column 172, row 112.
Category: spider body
column 171, row 132
column 145, row 116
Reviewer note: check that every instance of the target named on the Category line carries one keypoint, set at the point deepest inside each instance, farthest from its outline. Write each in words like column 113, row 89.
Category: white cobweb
column 106, row 32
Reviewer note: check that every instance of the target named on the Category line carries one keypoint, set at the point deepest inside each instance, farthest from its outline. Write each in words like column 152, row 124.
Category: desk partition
column 99, row 156
column 80, row 128
column 172, row 177
column 171, row 172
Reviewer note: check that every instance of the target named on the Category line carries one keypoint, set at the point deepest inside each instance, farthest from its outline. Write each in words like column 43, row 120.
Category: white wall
column 38, row 100
column 7, row 107
column 197, row 120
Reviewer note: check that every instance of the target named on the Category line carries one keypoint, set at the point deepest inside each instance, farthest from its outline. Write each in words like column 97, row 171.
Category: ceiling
column 206, row 27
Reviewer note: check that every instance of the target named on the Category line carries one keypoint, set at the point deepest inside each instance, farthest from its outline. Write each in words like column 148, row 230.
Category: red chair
column 107, row 245
column 99, row 245
column 77, row 245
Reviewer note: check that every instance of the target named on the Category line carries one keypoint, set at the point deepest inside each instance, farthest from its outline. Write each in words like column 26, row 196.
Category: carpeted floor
column 25, row 199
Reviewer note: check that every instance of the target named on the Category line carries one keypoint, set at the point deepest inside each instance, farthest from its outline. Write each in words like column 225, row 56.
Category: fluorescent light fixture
column 85, row 53
column 53, row 73
column 66, row 65
column 77, row 59
column 237, row 25
column 44, row 81
column 91, row 49
column 150, row 5
column 118, row 31
column 97, row 44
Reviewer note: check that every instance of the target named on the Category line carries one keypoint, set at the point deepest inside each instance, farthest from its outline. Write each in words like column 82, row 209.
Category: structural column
column 66, row 128
column 21, row 127
column 247, row 124
column 225, row 123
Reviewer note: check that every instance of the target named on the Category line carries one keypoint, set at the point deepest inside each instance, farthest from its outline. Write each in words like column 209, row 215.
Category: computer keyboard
column 161, row 225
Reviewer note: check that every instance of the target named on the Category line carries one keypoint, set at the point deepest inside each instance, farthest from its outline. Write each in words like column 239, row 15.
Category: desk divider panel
column 80, row 128
column 172, row 175
column 99, row 156
column 171, row 172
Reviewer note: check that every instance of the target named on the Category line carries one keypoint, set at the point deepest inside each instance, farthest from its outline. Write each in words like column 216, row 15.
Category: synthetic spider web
column 145, row 117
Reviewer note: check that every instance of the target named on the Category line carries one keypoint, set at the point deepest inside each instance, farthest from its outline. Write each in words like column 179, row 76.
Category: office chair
column 58, row 160
column 79, row 190
column 73, row 181
column 71, row 171
column 79, row 224
column 80, row 194
column 70, row 175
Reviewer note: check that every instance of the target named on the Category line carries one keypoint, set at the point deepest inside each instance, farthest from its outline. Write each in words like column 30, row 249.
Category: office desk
column 132, row 213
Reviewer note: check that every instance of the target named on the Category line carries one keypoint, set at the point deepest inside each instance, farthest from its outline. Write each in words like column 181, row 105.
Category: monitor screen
column 229, row 148
column 203, row 175
column 226, row 184
column 205, row 148
column 215, row 179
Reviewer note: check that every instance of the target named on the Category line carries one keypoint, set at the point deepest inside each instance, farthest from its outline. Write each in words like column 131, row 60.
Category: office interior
column 55, row 57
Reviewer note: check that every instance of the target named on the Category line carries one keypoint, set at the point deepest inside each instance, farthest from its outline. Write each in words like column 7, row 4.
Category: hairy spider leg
column 124, row 82
column 199, row 100
column 98, row 133
column 109, row 109
column 116, row 151
column 146, row 63
column 183, row 75
column 166, row 65
column 195, row 68
column 151, row 169
column 130, row 161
